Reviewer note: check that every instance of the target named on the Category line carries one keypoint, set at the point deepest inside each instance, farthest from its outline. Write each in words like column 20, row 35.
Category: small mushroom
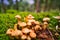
column 18, row 17
column 32, row 35
column 37, row 27
column 30, row 16
column 29, row 23
column 22, row 24
column 9, row 31
column 15, row 27
column 56, row 34
column 45, row 25
column 28, row 38
column 57, row 17
column 23, row 37
column 37, row 23
column 25, row 30
column 31, row 30
column 46, row 19
column 18, row 33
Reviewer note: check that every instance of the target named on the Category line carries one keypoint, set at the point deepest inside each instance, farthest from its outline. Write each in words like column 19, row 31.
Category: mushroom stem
column 15, row 27
column 45, row 25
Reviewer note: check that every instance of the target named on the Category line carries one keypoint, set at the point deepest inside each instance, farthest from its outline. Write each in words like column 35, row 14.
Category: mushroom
column 45, row 22
column 13, row 34
column 32, row 35
column 46, row 19
column 57, row 17
column 37, row 23
column 25, row 30
column 31, row 30
column 29, row 23
column 24, row 37
column 29, row 17
column 28, row 38
column 37, row 27
column 45, row 25
column 15, row 27
column 56, row 34
column 9, row 31
column 21, row 24
column 18, row 17
column 18, row 32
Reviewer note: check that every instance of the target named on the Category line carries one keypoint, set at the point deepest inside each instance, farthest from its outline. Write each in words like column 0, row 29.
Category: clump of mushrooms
column 28, row 28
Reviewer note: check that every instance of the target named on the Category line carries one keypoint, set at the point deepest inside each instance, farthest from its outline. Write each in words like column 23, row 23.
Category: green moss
column 8, row 20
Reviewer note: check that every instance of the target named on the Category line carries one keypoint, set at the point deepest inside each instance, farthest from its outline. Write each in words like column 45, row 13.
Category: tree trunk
column 10, row 5
column 46, row 5
column 54, row 4
column 38, row 5
column 17, row 6
column 3, row 7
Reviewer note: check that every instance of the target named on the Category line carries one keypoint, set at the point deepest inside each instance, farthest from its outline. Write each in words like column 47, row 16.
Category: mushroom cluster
column 27, row 30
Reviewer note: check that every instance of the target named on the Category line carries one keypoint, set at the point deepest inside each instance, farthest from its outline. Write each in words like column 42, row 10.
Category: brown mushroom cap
column 32, row 35
column 46, row 19
column 25, row 30
column 45, row 23
column 13, row 34
column 9, row 31
column 18, row 16
column 24, row 37
column 57, row 17
column 37, row 27
column 22, row 24
column 28, row 38
column 18, row 33
column 31, row 30
column 56, row 34
column 30, row 16
column 36, row 22
column 29, row 23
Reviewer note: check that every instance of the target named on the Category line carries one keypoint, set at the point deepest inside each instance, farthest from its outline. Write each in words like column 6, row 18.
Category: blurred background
column 29, row 5
column 38, row 8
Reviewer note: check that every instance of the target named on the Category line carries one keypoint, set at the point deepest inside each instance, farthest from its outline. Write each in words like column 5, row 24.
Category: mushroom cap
column 31, row 30
column 57, row 17
column 22, row 24
column 30, row 16
column 25, row 30
column 18, row 33
column 46, row 19
column 37, row 27
column 9, row 31
column 56, row 34
column 28, row 38
column 45, row 23
column 32, row 35
column 31, row 20
column 17, row 16
column 13, row 33
column 29, row 23
column 23, row 37
column 36, row 22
